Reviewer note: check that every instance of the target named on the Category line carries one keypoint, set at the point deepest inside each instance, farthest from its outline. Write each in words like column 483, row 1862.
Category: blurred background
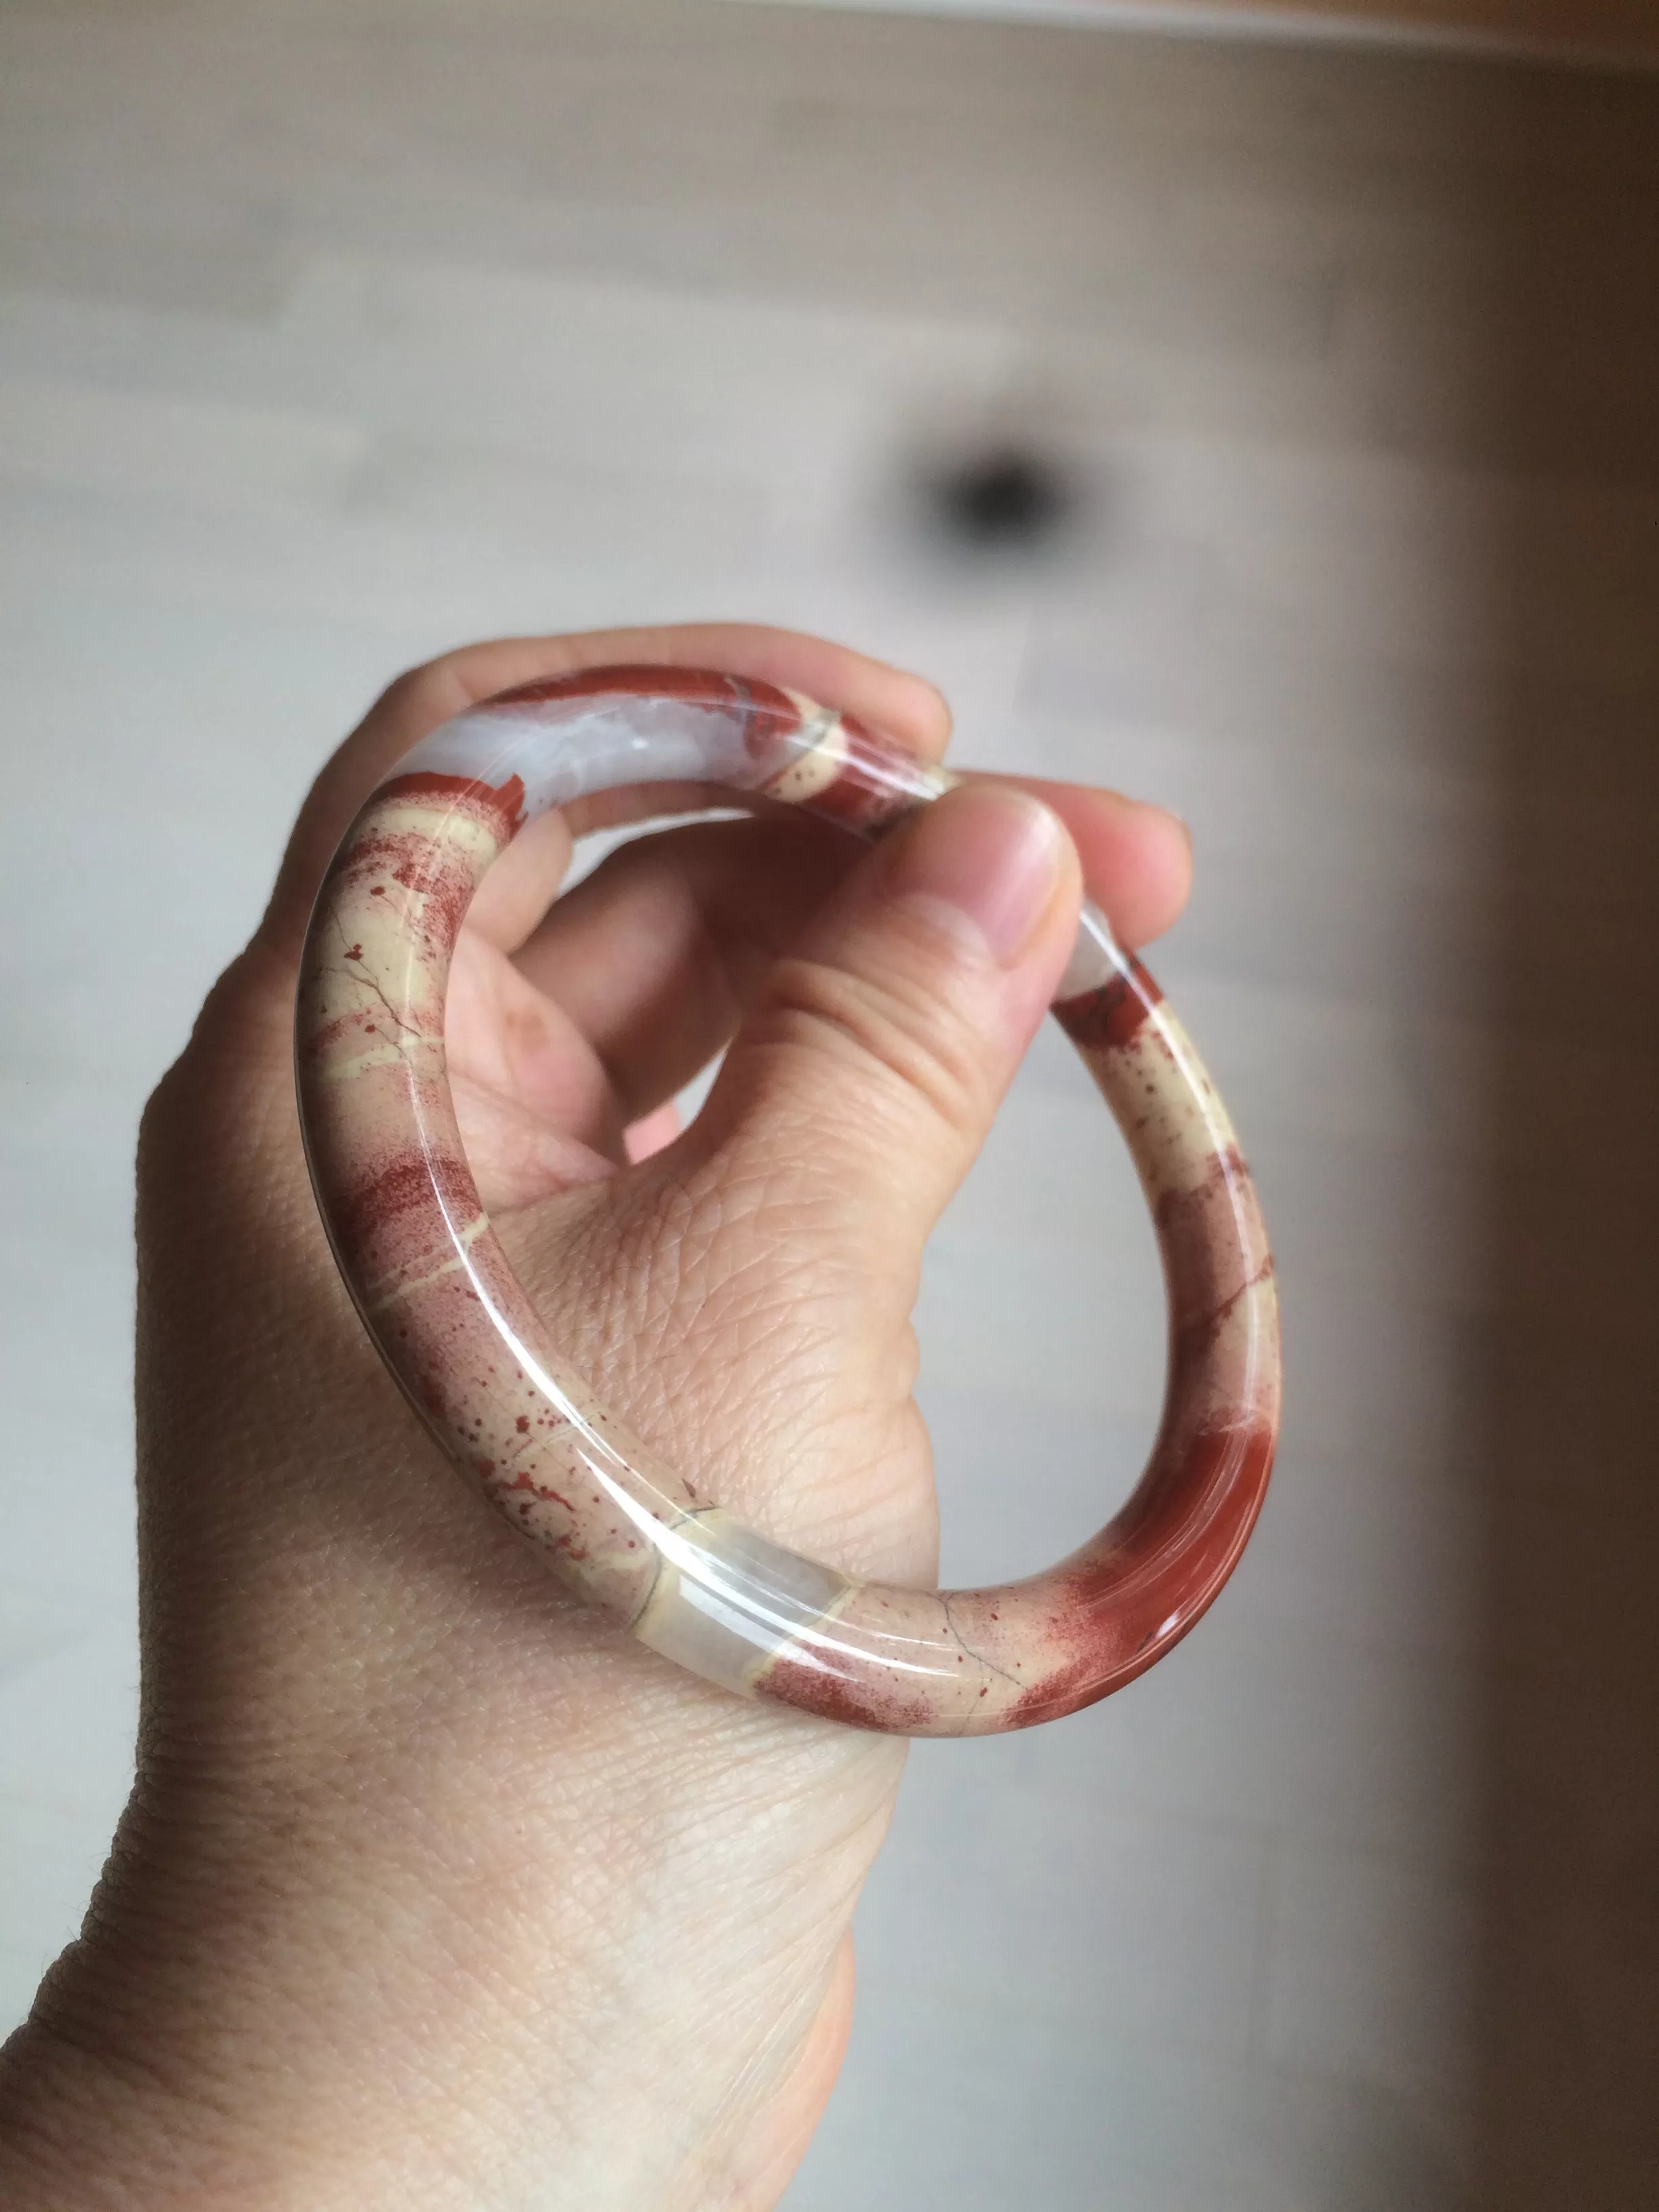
column 1269, row 427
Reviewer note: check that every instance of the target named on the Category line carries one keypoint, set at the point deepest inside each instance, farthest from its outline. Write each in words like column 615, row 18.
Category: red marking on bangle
column 392, row 1215
column 860, row 1704
column 1110, row 1017
column 1201, row 1235
column 499, row 804
column 879, row 783
column 768, row 712
column 1125, row 1599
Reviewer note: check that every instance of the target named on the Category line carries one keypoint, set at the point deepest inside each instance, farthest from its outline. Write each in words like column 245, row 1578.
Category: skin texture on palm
column 435, row 1889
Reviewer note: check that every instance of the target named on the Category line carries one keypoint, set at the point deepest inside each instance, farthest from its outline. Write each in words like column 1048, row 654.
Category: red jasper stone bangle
column 443, row 1306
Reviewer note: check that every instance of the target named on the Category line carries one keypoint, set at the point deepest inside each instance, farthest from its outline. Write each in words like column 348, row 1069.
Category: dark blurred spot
column 1004, row 499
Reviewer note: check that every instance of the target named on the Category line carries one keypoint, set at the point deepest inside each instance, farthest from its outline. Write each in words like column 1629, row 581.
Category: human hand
column 435, row 1888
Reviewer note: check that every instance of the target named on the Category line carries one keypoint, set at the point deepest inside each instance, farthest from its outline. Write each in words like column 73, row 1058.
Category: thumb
column 864, row 1077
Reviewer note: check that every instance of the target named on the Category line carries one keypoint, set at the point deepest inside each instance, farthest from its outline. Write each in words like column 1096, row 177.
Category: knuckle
column 429, row 690
column 163, row 1112
column 894, row 1031
column 247, row 1015
column 233, row 1074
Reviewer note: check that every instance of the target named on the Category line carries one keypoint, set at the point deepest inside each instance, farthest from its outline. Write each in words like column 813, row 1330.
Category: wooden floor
column 333, row 333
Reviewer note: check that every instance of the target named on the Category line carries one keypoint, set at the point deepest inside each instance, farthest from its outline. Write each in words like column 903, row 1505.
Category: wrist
column 535, row 1951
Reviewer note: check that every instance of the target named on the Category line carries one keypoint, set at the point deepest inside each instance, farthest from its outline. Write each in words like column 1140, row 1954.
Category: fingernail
column 985, row 862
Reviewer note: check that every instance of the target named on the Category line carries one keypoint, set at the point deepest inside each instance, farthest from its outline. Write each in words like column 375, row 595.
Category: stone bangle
column 442, row 1304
